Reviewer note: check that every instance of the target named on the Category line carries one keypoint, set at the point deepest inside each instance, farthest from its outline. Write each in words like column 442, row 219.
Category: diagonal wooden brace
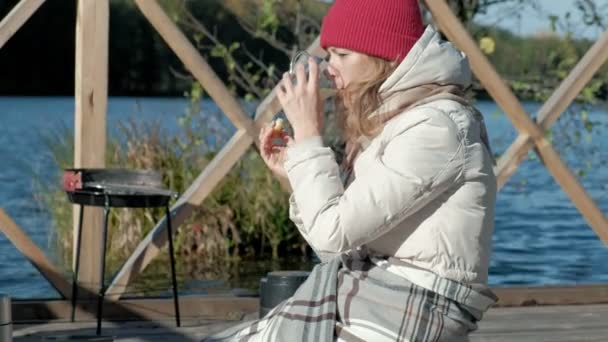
column 16, row 18
column 555, row 105
column 34, row 255
column 197, row 65
column 210, row 177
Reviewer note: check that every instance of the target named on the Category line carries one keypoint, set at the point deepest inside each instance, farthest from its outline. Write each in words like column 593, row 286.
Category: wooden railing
column 91, row 103
column 530, row 133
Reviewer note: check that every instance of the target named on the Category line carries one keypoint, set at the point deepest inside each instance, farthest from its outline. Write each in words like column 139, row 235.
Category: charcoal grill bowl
column 98, row 199
column 117, row 188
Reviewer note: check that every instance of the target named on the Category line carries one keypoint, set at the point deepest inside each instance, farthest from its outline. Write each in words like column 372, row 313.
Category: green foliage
column 268, row 19
column 245, row 217
column 534, row 67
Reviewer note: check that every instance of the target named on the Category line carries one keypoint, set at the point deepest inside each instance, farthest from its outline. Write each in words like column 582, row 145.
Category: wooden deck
column 544, row 323
column 523, row 324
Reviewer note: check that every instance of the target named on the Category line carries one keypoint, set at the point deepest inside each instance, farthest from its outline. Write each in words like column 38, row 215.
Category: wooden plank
column 92, row 28
column 136, row 331
column 456, row 32
column 571, row 323
column 16, row 18
column 514, row 335
column 191, row 58
column 34, row 255
column 197, row 192
column 191, row 307
column 550, row 323
column 546, row 317
column 545, row 323
column 559, row 101
column 551, row 295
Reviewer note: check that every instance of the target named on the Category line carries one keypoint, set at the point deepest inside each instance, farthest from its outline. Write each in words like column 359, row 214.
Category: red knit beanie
column 383, row 28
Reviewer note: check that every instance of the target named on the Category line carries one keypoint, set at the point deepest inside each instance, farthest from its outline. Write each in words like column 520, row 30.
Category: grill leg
column 171, row 256
column 77, row 266
column 102, row 288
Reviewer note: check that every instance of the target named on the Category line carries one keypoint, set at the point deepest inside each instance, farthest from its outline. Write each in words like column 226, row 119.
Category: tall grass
column 245, row 218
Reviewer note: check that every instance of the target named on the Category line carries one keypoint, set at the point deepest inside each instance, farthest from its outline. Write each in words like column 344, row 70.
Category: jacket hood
column 431, row 60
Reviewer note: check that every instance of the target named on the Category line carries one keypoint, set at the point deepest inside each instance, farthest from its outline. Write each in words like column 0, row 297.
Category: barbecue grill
column 116, row 188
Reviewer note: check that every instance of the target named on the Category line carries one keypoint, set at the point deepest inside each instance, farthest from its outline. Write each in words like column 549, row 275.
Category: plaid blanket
column 348, row 299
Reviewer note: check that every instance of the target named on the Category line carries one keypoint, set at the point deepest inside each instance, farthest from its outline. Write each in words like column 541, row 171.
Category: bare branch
column 244, row 83
column 180, row 75
column 258, row 61
column 196, row 25
column 272, row 41
column 311, row 22
column 591, row 14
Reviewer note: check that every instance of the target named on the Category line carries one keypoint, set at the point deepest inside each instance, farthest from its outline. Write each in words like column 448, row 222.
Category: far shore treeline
column 39, row 58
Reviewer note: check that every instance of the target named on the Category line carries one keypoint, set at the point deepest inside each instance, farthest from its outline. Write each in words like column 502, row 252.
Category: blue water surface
column 540, row 237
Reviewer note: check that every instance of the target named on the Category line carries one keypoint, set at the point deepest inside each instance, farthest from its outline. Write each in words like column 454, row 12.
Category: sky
column 527, row 20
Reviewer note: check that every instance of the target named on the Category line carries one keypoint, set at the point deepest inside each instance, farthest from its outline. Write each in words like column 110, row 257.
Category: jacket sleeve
column 294, row 216
column 422, row 158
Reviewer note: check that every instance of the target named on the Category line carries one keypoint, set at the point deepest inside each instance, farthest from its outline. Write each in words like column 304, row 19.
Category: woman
column 407, row 237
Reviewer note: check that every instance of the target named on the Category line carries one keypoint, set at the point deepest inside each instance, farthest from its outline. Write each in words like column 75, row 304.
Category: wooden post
column 487, row 75
column 92, row 29
column 16, row 18
column 34, row 255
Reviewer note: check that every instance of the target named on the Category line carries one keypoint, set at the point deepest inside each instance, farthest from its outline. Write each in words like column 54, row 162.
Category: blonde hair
column 355, row 104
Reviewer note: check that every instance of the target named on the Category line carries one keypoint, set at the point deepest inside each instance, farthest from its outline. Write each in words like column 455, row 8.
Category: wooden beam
column 456, row 32
column 153, row 309
column 197, row 192
column 191, row 58
column 232, row 308
column 551, row 295
column 92, row 27
column 559, row 101
column 34, row 255
column 16, row 18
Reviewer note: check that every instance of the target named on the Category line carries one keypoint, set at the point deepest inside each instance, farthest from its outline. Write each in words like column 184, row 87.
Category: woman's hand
column 274, row 154
column 301, row 102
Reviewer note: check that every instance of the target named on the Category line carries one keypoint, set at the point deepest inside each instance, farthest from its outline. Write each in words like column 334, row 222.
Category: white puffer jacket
column 424, row 189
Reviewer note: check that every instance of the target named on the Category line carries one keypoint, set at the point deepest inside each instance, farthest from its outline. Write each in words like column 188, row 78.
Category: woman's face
column 347, row 66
